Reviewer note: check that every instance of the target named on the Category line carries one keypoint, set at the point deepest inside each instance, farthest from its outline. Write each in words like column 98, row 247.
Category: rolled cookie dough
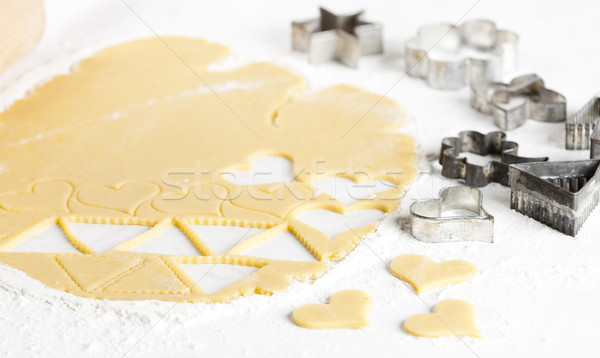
column 139, row 135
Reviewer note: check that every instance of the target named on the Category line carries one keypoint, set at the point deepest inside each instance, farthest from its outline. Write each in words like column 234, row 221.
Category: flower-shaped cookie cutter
column 337, row 37
column 533, row 101
column 450, row 57
column 431, row 220
column 583, row 126
column 560, row 195
column 456, row 166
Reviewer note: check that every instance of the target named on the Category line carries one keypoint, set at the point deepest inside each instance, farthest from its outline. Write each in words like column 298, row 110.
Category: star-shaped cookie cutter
column 558, row 194
column 582, row 130
column 430, row 219
column 456, row 167
column 333, row 37
column 475, row 52
column 533, row 101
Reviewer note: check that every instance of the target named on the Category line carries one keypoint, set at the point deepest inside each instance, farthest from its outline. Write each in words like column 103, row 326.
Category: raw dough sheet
column 144, row 134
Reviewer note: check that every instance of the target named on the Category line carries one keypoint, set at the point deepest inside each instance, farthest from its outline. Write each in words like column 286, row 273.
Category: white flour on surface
column 537, row 291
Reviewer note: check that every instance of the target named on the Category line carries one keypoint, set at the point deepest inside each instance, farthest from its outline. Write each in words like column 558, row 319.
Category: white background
column 538, row 290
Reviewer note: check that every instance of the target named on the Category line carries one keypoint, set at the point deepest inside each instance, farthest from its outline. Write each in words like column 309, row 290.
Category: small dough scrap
column 424, row 274
column 346, row 309
column 449, row 318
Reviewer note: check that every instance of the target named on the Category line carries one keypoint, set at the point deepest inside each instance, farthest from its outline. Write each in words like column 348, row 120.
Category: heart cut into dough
column 346, row 309
column 424, row 274
column 449, row 318
column 49, row 195
column 125, row 198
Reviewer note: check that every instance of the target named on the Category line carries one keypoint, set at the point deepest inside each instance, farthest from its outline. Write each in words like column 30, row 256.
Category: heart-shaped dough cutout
column 424, row 274
column 449, row 318
column 50, row 195
column 346, row 309
column 125, row 198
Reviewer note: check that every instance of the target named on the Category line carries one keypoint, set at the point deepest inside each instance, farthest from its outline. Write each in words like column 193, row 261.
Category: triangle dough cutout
column 284, row 246
column 170, row 241
column 152, row 276
column 222, row 238
column 214, row 277
column 91, row 272
column 103, row 237
column 50, row 239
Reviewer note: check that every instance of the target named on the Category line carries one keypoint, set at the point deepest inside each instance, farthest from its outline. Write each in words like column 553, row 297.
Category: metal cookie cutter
column 332, row 37
column 429, row 223
column 456, row 167
column 582, row 126
column 559, row 194
column 524, row 97
column 450, row 57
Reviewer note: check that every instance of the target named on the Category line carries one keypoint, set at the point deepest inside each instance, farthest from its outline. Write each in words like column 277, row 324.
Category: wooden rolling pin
column 21, row 27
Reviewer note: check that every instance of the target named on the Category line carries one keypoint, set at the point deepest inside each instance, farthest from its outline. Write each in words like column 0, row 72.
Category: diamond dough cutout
column 111, row 96
column 424, row 274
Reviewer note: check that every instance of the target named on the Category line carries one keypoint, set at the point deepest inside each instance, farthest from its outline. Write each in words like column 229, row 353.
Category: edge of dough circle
column 131, row 136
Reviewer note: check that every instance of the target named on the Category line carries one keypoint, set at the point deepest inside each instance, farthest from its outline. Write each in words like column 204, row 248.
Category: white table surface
column 538, row 290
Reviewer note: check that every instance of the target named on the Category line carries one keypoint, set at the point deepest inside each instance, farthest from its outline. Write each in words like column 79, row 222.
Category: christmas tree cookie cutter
column 456, row 167
column 337, row 37
column 475, row 52
column 582, row 130
column 558, row 194
column 536, row 101
column 429, row 222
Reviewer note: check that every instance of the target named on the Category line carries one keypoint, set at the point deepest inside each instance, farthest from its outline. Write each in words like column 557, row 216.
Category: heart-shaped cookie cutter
column 538, row 102
column 429, row 224
column 496, row 54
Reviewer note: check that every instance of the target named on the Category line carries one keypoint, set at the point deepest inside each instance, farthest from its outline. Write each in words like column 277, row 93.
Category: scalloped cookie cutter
column 582, row 127
column 537, row 102
column 456, row 167
column 337, row 37
column 493, row 52
column 558, row 194
column 428, row 222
